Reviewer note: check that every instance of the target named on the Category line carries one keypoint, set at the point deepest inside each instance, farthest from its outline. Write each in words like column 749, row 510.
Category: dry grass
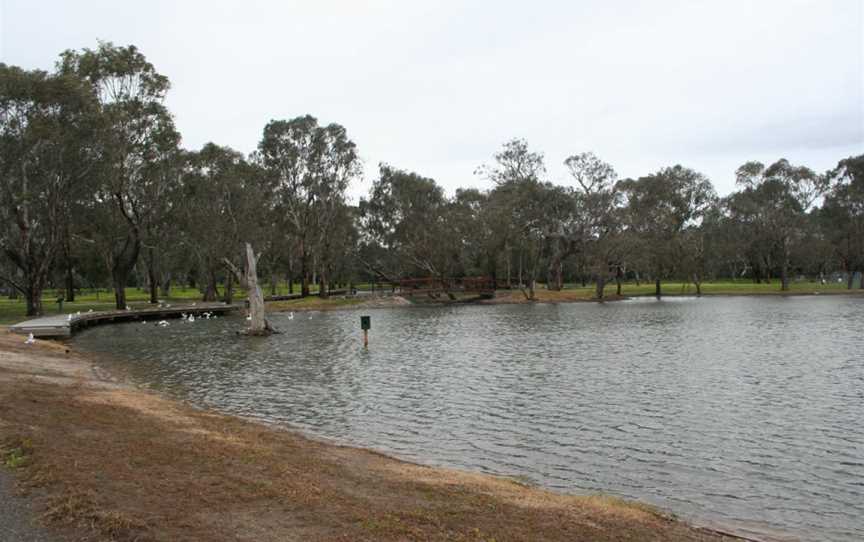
column 120, row 464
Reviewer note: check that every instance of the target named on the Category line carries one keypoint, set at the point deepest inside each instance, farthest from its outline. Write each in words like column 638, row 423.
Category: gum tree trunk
column 258, row 324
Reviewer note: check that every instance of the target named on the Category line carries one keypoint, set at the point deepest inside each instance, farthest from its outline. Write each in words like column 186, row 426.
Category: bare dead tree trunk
column 258, row 324
column 619, row 276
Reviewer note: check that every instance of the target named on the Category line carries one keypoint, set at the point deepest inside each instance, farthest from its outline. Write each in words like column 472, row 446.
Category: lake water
column 745, row 413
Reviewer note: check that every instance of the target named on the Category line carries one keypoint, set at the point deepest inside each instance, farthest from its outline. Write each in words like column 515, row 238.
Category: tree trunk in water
column 258, row 324
column 657, row 290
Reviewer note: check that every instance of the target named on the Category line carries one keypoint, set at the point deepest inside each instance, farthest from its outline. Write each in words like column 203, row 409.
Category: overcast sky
column 437, row 87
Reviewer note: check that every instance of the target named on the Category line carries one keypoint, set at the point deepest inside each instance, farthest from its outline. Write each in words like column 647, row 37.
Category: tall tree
column 138, row 130
column 659, row 208
column 597, row 215
column 311, row 167
column 777, row 199
column 843, row 215
column 47, row 151
column 525, row 200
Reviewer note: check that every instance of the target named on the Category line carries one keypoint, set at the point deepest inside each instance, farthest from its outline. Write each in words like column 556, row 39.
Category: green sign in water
column 365, row 323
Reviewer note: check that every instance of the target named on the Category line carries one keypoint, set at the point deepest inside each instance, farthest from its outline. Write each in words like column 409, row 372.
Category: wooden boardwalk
column 63, row 325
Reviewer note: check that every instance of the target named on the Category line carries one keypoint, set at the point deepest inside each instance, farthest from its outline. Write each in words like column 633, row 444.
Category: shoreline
column 548, row 297
column 106, row 457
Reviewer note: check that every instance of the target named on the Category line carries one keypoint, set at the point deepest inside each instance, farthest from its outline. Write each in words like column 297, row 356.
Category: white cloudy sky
column 436, row 87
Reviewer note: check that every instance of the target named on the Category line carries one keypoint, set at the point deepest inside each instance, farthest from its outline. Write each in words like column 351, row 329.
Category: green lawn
column 720, row 288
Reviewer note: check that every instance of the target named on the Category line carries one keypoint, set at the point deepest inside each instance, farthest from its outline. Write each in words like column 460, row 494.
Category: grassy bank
column 120, row 464
column 576, row 292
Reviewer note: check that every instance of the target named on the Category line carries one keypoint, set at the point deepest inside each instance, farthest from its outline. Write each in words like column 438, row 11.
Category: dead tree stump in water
column 258, row 324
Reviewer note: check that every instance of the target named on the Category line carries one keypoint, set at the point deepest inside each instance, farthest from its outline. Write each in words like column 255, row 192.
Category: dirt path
column 121, row 464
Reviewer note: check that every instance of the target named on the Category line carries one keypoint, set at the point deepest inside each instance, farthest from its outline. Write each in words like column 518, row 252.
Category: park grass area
column 577, row 292
column 116, row 463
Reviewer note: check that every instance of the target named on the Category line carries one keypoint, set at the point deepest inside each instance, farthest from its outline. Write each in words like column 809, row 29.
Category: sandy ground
column 107, row 462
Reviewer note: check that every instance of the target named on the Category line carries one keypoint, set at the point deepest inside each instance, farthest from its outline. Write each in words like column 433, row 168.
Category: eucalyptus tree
column 658, row 209
column 472, row 235
column 217, row 213
column 597, row 219
column 404, row 222
column 47, row 151
column 842, row 215
column 137, row 131
column 524, row 202
column 310, row 167
column 776, row 201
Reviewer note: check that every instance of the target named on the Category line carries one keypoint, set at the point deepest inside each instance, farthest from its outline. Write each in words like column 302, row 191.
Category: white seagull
column 291, row 315
column 30, row 339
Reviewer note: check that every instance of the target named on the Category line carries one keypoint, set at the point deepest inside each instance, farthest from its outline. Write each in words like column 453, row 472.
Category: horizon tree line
column 97, row 190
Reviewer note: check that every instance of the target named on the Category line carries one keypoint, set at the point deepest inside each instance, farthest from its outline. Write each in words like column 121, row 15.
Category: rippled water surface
column 742, row 412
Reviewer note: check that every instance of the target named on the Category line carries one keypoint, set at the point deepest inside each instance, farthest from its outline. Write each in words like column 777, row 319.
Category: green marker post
column 365, row 325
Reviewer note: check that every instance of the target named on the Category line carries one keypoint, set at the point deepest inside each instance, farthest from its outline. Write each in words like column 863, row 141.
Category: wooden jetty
column 63, row 325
